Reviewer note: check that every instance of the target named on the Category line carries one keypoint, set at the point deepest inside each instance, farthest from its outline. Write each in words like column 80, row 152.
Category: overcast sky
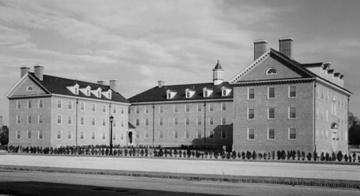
column 140, row 42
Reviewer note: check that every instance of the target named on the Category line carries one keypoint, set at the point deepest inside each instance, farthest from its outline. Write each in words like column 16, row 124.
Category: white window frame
column 82, row 106
column 41, row 103
column 18, row 135
column 57, row 119
column 248, row 112
column 289, row 112
column 18, row 104
column 57, row 134
column 40, row 133
column 248, row 134
column 187, row 107
column 28, row 134
column 289, row 91
column 223, row 106
column 268, row 134
column 18, row 120
column 40, row 120
column 268, row 92
column 248, row 93
column 268, row 113
column 82, row 121
column 29, row 104
column 289, row 133
column 59, row 104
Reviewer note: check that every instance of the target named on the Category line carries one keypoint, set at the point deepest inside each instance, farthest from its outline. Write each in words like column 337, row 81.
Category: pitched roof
column 58, row 85
column 159, row 94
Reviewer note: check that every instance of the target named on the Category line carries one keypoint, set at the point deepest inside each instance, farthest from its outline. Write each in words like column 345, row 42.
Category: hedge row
column 186, row 153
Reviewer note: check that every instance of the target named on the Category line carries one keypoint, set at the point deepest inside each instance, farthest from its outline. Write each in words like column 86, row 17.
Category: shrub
column 322, row 156
column 346, row 158
column 327, row 156
column 308, row 156
column 254, row 155
column 333, row 156
column 339, row 156
column 248, row 155
column 233, row 155
column 243, row 155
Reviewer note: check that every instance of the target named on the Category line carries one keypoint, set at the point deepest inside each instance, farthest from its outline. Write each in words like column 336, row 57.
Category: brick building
column 280, row 103
column 187, row 114
column 46, row 110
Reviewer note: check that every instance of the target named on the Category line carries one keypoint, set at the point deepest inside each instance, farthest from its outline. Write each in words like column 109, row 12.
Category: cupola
column 218, row 74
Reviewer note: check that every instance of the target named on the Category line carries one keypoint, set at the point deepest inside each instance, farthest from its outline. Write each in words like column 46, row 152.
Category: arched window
column 271, row 71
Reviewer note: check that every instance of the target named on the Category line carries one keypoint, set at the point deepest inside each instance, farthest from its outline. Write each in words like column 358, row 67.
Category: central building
column 198, row 114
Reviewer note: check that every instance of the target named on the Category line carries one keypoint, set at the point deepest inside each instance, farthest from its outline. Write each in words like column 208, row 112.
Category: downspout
column 108, row 120
column 204, row 124
column 153, row 125
column 76, row 121
column 314, row 117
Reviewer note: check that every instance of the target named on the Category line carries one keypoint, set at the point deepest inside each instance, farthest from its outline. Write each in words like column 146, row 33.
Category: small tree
column 339, row 156
column 308, row 156
column 346, row 157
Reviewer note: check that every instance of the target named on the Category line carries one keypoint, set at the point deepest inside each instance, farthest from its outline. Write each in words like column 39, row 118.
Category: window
column 223, row 121
column 292, row 112
column 122, row 110
column 146, row 109
column 223, row 106
column 199, row 134
column 187, row 108
column 82, row 106
column 29, row 88
column 187, row 135
column 271, row 71
column 29, row 134
column 175, row 134
column 70, row 105
column 18, row 104
column 40, row 103
column 211, row 121
column 146, row 122
column 161, row 135
column 122, row 123
column 76, row 90
column 211, row 108
column 292, row 91
column 161, row 122
column 271, row 134
column 18, row 136
column 251, row 134
column 82, row 120
column 93, row 135
column 137, row 122
column 176, row 121
column 40, row 119
column 104, row 122
column 29, row 119
column 251, row 93
column 103, row 135
column 114, row 110
column 93, row 107
column 251, row 114
column 271, row 92
column 271, row 113
column 199, row 107
column 137, row 109
column 104, row 108
column 59, row 104
column 187, row 121
column 40, row 134
column 199, row 121
column 59, row 119
column 29, row 104
column 17, row 119
column 58, row 136
column 161, row 109
column 81, row 135
column 93, row 122
column 292, row 133
column 69, row 134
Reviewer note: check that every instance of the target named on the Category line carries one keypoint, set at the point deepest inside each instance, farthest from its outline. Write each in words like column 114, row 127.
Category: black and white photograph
column 179, row 97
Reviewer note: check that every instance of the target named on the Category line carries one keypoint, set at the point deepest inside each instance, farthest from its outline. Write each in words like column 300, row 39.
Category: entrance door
column 130, row 137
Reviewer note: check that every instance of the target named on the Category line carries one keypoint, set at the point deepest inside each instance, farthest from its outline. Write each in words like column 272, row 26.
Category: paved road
column 236, row 168
column 44, row 183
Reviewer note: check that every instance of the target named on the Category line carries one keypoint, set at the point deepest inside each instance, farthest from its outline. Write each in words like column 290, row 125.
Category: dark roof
column 159, row 94
column 218, row 65
column 57, row 85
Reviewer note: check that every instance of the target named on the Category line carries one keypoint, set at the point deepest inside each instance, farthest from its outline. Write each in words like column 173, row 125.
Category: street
column 46, row 183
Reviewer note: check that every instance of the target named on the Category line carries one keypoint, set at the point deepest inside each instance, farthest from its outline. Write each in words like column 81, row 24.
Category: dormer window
column 170, row 94
column 225, row 91
column 74, row 89
column 189, row 93
column 106, row 94
column 207, row 92
column 87, row 92
column 271, row 71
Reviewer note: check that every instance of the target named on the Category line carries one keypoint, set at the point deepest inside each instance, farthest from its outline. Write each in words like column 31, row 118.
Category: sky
column 177, row 41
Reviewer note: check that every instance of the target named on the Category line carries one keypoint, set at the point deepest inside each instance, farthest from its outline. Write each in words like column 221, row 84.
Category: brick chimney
column 260, row 48
column 39, row 72
column 285, row 46
column 24, row 70
column 161, row 83
column 112, row 84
